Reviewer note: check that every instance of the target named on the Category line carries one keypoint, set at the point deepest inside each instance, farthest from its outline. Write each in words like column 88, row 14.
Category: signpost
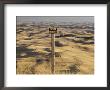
column 52, row 31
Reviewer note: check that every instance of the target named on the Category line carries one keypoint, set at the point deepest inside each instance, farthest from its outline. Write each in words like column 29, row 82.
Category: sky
column 57, row 19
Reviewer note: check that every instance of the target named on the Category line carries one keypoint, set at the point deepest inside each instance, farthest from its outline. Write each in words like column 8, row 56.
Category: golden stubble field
column 74, row 51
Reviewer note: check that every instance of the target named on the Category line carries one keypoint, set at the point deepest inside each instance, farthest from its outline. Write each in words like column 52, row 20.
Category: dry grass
column 78, row 58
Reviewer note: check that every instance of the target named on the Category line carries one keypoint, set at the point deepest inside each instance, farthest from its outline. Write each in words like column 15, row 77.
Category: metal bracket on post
column 52, row 31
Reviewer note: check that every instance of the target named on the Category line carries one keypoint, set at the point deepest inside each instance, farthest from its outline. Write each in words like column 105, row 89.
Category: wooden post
column 53, row 54
column 52, row 31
